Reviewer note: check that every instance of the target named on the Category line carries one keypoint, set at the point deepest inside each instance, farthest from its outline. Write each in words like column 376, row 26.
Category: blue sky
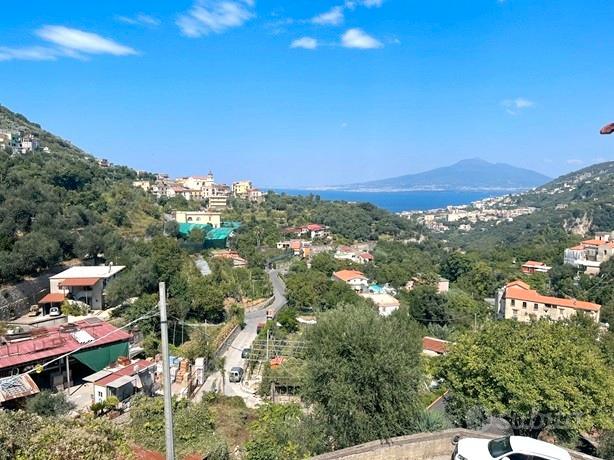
column 292, row 93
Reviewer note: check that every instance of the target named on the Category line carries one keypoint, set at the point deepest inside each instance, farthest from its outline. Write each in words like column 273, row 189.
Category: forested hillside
column 59, row 204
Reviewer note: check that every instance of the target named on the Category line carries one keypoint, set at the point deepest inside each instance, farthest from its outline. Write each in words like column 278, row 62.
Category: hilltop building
column 212, row 218
column 518, row 301
column 85, row 284
column 241, row 188
column 590, row 254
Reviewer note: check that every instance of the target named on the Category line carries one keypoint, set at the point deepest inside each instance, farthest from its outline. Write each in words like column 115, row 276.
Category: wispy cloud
column 358, row 38
column 65, row 42
column 332, row 17
column 78, row 41
column 351, row 4
column 215, row 16
column 31, row 53
column 307, row 43
column 141, row 19
column 574, row 161
column 515, row 106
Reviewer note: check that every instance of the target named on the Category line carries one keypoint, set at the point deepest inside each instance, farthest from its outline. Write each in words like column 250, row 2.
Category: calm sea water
column 399, row 201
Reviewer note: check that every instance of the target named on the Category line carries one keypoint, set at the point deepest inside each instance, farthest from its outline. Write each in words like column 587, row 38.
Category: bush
column 47, row 403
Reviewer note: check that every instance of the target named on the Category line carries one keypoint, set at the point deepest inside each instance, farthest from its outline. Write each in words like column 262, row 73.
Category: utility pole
column 166, row 369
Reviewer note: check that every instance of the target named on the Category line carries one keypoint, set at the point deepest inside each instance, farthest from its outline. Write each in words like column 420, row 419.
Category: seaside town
column 321, row 230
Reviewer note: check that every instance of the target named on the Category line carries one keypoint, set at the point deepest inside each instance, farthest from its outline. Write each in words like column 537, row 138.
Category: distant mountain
column 471, row 174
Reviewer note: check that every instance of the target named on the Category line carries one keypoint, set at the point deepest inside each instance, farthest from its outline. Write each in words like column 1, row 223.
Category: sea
column 401, row 201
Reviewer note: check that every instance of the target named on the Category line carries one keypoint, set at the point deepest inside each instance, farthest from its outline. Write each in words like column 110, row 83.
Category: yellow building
column 212, row 218
column 242, row 187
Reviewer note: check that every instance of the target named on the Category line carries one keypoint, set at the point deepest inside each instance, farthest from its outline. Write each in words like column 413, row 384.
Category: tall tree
column 362, row 374
column 538, row 375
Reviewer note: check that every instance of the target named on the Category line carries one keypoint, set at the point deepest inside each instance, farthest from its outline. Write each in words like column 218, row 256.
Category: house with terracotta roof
column 532, row 266
column 86, row 284
column 355, row 279
column 518, row 301
column 432, row 346
column 590, row 254
column 353, row 255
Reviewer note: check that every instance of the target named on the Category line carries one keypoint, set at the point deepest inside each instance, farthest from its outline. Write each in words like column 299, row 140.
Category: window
column 515, row 313
column 535, row 306
column 499, row 447
column 524, row 305
column 100, row 396
column 513, row 302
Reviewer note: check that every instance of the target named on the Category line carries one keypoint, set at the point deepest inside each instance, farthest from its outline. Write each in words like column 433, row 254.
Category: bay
column 400, row 201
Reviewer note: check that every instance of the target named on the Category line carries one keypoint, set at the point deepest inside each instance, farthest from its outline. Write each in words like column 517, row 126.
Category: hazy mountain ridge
column 472, row 174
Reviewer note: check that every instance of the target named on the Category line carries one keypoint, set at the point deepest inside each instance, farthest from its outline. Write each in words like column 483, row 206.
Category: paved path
column 243, row 340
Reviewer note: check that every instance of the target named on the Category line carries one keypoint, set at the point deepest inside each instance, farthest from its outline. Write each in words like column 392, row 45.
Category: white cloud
column 515, row 106
column 351, row 4
column 372, row 3
column 72, row 42
column 574, row 161
column 215, row 16
column 140, row 19
column 33, row 53
column 307, row 43
column 332, row 17
column 357, row 38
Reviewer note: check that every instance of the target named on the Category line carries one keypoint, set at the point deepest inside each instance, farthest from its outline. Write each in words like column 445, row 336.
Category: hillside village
column 255, row 280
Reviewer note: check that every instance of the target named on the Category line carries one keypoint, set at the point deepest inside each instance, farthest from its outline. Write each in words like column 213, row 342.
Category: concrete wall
column 422, row 446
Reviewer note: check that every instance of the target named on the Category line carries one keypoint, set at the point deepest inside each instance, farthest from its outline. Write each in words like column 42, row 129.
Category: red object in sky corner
column 607, row 129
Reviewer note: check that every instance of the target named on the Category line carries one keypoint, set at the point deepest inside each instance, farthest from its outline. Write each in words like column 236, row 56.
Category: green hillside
column 567, row 208
column 57, row 203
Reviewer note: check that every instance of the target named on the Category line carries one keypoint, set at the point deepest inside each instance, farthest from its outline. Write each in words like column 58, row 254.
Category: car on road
column 507, row 448
column 235, row 374
column 54, row 311
column 245, row 353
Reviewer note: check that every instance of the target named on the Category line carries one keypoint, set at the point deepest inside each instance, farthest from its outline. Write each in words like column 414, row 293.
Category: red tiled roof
column 533, row 263
column 594, row 242
column 579, row 247
column 54, row 342
column 512, row 291
column 314, row 227
column 519, row 283
column 436, row 345
column 128, row 370
column 347, row 275
column 366, row 255
column 75, row 282
column 295, row 244
column 53, row 297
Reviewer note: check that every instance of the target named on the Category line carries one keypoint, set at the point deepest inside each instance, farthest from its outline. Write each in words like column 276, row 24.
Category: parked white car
column 508, row 448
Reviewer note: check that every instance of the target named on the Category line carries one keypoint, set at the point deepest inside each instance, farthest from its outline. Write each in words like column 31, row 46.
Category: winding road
column 243, row 340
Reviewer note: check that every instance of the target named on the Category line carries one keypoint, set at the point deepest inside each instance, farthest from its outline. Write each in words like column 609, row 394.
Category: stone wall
column 422, row 446
column 16, row 299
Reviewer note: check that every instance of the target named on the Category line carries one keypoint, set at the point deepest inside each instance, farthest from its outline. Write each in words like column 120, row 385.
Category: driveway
column 243, row 340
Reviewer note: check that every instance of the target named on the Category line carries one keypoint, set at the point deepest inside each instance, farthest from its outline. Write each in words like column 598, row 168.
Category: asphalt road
column 243, row 340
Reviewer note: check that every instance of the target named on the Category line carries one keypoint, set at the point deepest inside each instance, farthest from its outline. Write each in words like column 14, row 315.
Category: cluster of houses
column 356, row 254
column 201, row 188
column 51, row 350
column 19, row 142
column 494, row 210
column 590, row 254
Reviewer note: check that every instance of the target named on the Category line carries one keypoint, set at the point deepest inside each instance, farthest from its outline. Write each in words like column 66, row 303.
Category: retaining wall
column 422, row 446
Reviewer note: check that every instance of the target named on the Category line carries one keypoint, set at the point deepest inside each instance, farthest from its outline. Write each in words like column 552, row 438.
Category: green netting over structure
column 186, row 228
column 99, row 358
column 218, row 237
column 231, row 224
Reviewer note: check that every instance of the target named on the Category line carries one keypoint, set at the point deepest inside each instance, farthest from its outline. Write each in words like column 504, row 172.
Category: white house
column 355, row 279
column 122, row 382
column 85, row 284
column 385, row 303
